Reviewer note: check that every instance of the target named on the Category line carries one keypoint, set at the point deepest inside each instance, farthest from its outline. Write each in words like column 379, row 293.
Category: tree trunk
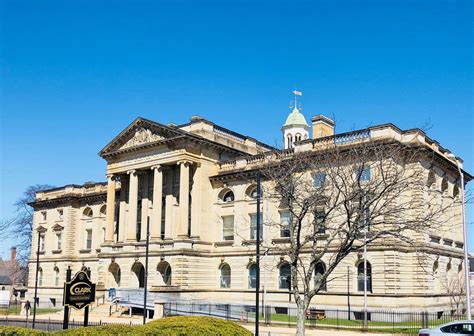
column 302, row 306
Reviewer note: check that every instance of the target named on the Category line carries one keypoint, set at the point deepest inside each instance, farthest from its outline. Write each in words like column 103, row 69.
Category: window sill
column 41, row 252
column 224, row 243
column 250, row 242
column 56, row 251
column 85, row 251
column 281, row 240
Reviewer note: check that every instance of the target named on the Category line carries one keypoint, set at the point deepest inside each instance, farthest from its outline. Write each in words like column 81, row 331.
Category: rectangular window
column 43, row 215
column 253, row 226
column 60, row 214
column 88, row 239
column 320, row 222
column 42, row 242
column 364, row 220
column 363, row 174
column 319, row 179
column 285, row 220
column 228, row 227
column 58, row 240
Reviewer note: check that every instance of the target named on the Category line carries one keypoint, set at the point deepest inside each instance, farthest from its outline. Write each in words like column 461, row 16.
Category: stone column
column 109, row 229
column 182, row 229
column 122, row 208
column 155, row 223
column 196, row 202
column 131, row 233
column 145, row 200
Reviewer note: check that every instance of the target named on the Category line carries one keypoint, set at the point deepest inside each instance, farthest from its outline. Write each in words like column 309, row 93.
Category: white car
column 453, row 328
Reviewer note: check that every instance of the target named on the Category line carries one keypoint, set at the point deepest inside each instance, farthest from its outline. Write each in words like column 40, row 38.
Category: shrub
column 194, row 326
column 19, row 331
column 101, row 331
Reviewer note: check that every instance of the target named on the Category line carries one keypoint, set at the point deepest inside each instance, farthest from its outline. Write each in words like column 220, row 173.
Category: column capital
column 111, row 177
column 132, row 172
column 184, row 162
column 157, row 167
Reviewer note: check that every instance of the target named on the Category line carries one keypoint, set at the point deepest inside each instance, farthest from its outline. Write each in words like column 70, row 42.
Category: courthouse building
column 195, row 185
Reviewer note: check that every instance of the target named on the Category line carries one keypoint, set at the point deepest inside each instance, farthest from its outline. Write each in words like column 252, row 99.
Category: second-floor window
column 41, row 242
column 320, row 222
column 58, row 240
column 228, row 228
column 319, row 179
column 43, row 215
column 88, row 239
column 60, row 214
column 253, row 226
column 285, row 220
column 363, row 174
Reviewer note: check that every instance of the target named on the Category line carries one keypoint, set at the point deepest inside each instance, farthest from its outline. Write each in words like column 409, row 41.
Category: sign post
column 66, row 308
column 79, row 293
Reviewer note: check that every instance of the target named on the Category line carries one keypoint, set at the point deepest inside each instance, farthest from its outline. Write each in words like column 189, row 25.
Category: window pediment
column 58, row 227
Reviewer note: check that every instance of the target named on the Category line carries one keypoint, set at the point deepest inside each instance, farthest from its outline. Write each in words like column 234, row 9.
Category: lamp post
column 466, row 259
column 146, row 269
column 257, row 284
column 36, row 277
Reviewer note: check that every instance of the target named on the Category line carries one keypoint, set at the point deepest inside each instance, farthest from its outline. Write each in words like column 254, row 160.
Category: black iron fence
column 377, row 320
column 48, row 324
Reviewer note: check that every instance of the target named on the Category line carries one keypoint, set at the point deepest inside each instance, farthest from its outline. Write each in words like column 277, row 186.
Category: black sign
column 79, row 292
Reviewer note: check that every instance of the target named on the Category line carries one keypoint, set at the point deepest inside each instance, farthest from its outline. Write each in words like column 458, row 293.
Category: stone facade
column 193, row 183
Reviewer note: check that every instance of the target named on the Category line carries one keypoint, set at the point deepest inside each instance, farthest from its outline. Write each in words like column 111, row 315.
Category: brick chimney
column 322, row 126
column 13, row 254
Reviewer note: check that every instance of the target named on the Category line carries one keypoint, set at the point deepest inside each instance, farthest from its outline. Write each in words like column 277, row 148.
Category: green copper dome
column 295, row 118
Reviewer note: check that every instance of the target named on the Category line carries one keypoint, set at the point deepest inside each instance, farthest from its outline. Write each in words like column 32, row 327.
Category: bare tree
column 340, row 198
column 20, row 227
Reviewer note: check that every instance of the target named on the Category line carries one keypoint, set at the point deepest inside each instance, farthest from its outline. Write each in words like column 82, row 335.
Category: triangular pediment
column 142, row 136
column 57, row 227
column 140, row 132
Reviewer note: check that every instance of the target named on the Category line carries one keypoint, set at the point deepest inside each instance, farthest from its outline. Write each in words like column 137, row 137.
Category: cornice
column 68, row 199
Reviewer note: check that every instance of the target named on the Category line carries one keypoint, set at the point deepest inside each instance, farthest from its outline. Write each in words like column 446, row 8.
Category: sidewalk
column 282, row 331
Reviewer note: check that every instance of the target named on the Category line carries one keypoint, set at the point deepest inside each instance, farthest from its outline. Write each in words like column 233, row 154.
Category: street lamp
column 466, row 259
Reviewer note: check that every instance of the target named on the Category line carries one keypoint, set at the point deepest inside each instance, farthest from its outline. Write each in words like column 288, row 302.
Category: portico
column 162, row 192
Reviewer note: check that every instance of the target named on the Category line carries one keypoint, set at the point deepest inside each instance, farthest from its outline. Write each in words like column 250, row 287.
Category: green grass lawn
column 16, row 310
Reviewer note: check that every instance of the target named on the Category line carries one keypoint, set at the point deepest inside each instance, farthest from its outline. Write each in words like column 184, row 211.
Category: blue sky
column 74, row 74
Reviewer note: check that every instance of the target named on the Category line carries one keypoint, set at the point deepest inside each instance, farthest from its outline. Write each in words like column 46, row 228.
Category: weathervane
column 295, row 102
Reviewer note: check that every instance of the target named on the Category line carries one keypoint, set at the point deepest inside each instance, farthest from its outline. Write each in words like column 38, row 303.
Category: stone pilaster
column 122, row 208
column 109, row 238
column 196, row 198
column 145, row 200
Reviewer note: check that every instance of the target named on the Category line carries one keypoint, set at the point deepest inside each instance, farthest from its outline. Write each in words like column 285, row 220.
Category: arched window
column 319, row 271
column 289, row 141
column 88, row 212
column 444, row 185
column 297, row 137
column 455, row 191
column 225, row 276
column 253, row 276
column 252, row 191
column 56, row 276
column 431, row 182
column 40, row 276
column 103, row 210
column 284, row 276
column 164, row 268
column 227, row 196
column 360, row 277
